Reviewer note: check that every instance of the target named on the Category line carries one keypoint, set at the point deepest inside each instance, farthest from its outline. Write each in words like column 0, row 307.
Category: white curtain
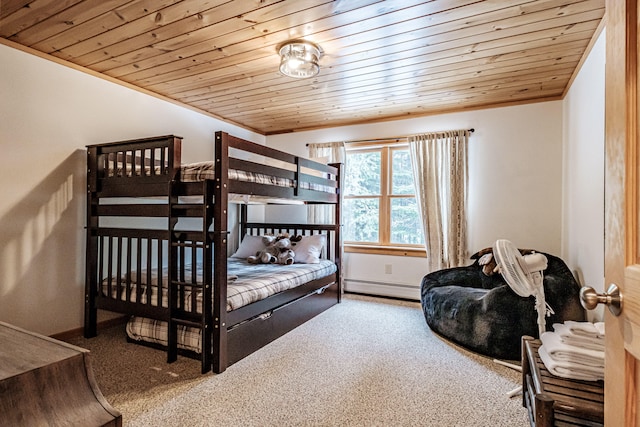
column 330, row 152
column 440, row 173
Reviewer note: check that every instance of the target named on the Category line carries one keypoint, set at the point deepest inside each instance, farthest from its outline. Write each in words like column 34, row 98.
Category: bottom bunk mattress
column 247, row 283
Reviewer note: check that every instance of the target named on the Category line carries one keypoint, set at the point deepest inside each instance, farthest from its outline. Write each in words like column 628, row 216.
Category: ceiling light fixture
column 299, row 59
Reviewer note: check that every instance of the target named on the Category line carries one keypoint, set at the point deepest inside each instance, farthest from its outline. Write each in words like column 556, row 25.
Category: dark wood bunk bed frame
column 141, row 178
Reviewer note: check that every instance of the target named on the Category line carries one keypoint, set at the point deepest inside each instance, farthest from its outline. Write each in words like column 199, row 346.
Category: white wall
column 515, row 184
column 48, row 113
column 583, row 225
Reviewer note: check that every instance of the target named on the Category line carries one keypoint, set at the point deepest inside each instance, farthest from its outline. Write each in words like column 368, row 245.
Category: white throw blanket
column 581, row 334
column 563, row 352
column 575, row 350
column 586, row 329
column 570, row 370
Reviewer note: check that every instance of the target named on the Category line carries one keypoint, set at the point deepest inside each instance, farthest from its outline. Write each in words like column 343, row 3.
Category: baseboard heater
column 388, row 289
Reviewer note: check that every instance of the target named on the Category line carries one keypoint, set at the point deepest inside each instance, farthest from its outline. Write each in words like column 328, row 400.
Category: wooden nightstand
column 556, row 401
column 44, row 381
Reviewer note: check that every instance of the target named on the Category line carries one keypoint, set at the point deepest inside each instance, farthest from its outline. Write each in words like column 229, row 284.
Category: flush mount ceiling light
column 299, row 59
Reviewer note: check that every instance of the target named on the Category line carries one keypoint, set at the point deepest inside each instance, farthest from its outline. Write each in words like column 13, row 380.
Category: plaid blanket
column 196, row 172
column 254, row 282
column 246, row 283
column 156, row 332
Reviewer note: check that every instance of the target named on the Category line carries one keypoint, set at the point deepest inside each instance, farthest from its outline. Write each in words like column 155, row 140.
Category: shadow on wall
column 42, row 252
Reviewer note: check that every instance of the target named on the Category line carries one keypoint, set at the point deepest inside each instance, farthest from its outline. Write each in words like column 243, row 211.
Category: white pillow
column 309, row 249
column 249, row 246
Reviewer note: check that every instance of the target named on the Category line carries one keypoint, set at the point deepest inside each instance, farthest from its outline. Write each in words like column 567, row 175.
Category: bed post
column 220, row 223
column 243, row 222
column 91, row 273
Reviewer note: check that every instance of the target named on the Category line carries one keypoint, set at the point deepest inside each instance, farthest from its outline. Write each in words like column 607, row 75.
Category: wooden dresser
column 555, row 401
column 46, row 382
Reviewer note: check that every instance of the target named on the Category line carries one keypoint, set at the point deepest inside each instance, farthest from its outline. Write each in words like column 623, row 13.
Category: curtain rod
column 391, row 138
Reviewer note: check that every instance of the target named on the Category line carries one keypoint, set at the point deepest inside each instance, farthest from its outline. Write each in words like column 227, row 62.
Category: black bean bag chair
column 479, row 311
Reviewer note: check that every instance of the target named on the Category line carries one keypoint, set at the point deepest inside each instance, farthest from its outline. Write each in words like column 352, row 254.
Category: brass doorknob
column 589, row 299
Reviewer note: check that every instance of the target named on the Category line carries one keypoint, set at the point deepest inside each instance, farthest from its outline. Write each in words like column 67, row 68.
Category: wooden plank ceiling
column 382, row 59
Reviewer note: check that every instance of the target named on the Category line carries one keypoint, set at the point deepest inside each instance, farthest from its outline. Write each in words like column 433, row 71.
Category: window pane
column 360, row 218
column 402, row 178
column 363, row 174
column 405, row 222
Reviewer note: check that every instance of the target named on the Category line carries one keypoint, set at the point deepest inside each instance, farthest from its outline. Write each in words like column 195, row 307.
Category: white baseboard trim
column 387, row 289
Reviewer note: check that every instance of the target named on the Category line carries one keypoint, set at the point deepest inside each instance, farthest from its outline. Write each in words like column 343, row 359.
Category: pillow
column 309, row 249
column 249, row 246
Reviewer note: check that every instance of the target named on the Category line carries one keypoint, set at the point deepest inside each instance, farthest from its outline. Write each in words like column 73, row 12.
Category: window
column 380, row 212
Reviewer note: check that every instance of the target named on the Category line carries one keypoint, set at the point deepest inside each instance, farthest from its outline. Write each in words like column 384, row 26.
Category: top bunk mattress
column 200, row 171
column 197, row 172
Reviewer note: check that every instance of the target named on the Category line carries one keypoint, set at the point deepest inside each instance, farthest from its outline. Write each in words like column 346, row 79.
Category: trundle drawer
column 247, row 337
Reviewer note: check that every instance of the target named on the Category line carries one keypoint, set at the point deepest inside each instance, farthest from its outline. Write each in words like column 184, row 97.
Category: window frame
column 384, row 246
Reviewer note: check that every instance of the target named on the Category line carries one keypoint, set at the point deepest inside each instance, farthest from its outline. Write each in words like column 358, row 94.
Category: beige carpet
column 365, row 362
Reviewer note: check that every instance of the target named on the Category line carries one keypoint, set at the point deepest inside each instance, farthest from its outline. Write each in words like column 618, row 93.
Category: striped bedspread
column 246, row 283
column 197, row 172
column 253, row 283
column 258, row 281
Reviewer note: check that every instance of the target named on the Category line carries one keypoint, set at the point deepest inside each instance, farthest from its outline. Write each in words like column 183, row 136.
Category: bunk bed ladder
column 206, row 320
column 173, row 285
column 189, row 248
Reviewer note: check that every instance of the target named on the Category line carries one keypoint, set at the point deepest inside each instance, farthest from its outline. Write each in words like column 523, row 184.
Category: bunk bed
column 143, row 261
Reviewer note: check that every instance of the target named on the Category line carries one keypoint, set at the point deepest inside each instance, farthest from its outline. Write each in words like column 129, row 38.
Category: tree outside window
column 379, row 203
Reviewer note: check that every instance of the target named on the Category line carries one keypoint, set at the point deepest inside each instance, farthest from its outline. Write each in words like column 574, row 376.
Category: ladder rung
column 179, row 283
column 187, row 205
column 187, row 208
column 186, row 322
column 187, row 245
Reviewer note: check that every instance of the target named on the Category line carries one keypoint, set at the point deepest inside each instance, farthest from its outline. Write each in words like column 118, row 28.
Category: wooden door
column 622, row 194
